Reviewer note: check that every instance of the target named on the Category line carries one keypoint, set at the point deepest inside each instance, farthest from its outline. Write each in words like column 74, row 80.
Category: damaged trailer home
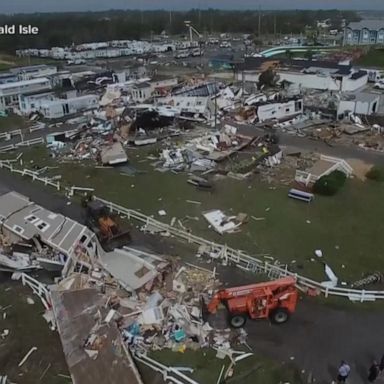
column 111, row 308
column 25, row 222
column 72, row 246
column 279, row 110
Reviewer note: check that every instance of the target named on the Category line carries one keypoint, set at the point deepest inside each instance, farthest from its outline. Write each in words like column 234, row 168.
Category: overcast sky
column 11, row 6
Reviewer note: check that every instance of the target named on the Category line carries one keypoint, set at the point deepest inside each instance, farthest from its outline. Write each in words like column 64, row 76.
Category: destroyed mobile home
column 125, row 302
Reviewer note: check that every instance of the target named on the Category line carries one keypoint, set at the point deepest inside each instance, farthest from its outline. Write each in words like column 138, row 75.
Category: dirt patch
column 6, row 62
column 360, row 168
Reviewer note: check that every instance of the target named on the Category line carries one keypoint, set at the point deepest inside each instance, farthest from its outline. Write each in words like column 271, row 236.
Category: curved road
column 307, row 144
column 317, row 337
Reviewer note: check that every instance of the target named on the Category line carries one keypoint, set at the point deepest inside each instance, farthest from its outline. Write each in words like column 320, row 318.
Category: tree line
column 65, row 29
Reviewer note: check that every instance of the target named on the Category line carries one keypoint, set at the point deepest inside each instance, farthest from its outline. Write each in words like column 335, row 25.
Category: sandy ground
column 360, row 168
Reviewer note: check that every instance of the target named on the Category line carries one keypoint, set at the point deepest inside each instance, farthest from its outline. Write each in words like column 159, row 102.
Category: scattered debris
column 25, row 358
column 258, row 218
column 30, row 301
column 333, row 279
column 225, row 224
column 376, row 277
column 5, row 333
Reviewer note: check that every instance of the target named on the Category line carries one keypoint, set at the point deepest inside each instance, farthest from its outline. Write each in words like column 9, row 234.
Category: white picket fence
column 239, row 258
column 8, row 135
column 27, row 143
column 38, row 289
column 245, row 261
column 27, row 172
column 170, row 374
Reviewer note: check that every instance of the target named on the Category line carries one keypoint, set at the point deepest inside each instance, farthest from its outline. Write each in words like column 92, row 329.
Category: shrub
column 330, row 184
column 375, row 173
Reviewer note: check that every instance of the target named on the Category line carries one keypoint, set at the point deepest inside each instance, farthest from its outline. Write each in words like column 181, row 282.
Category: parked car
column 182, row 54
column 225, row 44
column 197, row 52
column 379, row 84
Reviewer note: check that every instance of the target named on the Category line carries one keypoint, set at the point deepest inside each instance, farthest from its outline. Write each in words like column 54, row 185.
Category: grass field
column 8, row 61
column 374, row 58
column 248, row 371
column 347, row 227
column 28, row 329
column 11, row 123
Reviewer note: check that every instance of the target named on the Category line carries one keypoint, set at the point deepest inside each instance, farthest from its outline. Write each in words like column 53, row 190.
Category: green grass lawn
column 8, row 61
column 374, row 58
column 11, row 123
column 207, row 368
column 347, row 227
column 27, row 329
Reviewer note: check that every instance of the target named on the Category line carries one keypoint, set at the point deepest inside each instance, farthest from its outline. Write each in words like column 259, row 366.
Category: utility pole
column 259, row 25
column 215, row 107
column 274, row 26
column 170, row 18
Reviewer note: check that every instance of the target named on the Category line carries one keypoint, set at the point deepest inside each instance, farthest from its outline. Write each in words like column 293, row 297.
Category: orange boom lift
column 275, row 300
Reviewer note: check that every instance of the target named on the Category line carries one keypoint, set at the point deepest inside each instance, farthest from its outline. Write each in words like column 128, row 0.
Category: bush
column 330, row 184
column 375, row 173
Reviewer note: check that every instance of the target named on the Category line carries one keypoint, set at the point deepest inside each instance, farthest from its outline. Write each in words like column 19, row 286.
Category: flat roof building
column 10, row 92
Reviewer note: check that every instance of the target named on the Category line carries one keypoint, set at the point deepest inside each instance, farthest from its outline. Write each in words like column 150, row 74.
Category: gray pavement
column 308, row 144
column 317, row 336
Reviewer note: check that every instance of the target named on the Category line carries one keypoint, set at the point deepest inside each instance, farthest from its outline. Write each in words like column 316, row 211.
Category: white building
column 141, row 92
column 31, row 102
column 326, row 80
column 10, row 92
column 144, row 90
column 280, row 110
column 59, row 108
column 190, row 105
column 34, row 71
column 365, row 32
column 306, row 74
column 361, row 103
column 100, row 50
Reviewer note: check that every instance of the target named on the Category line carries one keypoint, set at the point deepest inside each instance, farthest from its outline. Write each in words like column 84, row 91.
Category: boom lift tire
column 237, row 321
column 279, row 316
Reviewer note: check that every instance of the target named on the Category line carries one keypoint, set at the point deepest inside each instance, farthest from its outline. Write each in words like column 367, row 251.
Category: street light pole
column 215, row 106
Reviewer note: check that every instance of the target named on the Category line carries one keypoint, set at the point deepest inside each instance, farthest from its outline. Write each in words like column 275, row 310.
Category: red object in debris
column 275, row 300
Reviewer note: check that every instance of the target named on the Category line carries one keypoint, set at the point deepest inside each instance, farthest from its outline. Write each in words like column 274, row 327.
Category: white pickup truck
column 182, row 54
column 225, row 44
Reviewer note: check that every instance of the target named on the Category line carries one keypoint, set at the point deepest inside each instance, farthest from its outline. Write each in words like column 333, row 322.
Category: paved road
column 307, row 144
column 318, row 337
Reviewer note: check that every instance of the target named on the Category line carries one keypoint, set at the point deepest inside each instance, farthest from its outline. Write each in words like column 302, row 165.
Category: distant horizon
column 187, row 10
column 60, row 6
